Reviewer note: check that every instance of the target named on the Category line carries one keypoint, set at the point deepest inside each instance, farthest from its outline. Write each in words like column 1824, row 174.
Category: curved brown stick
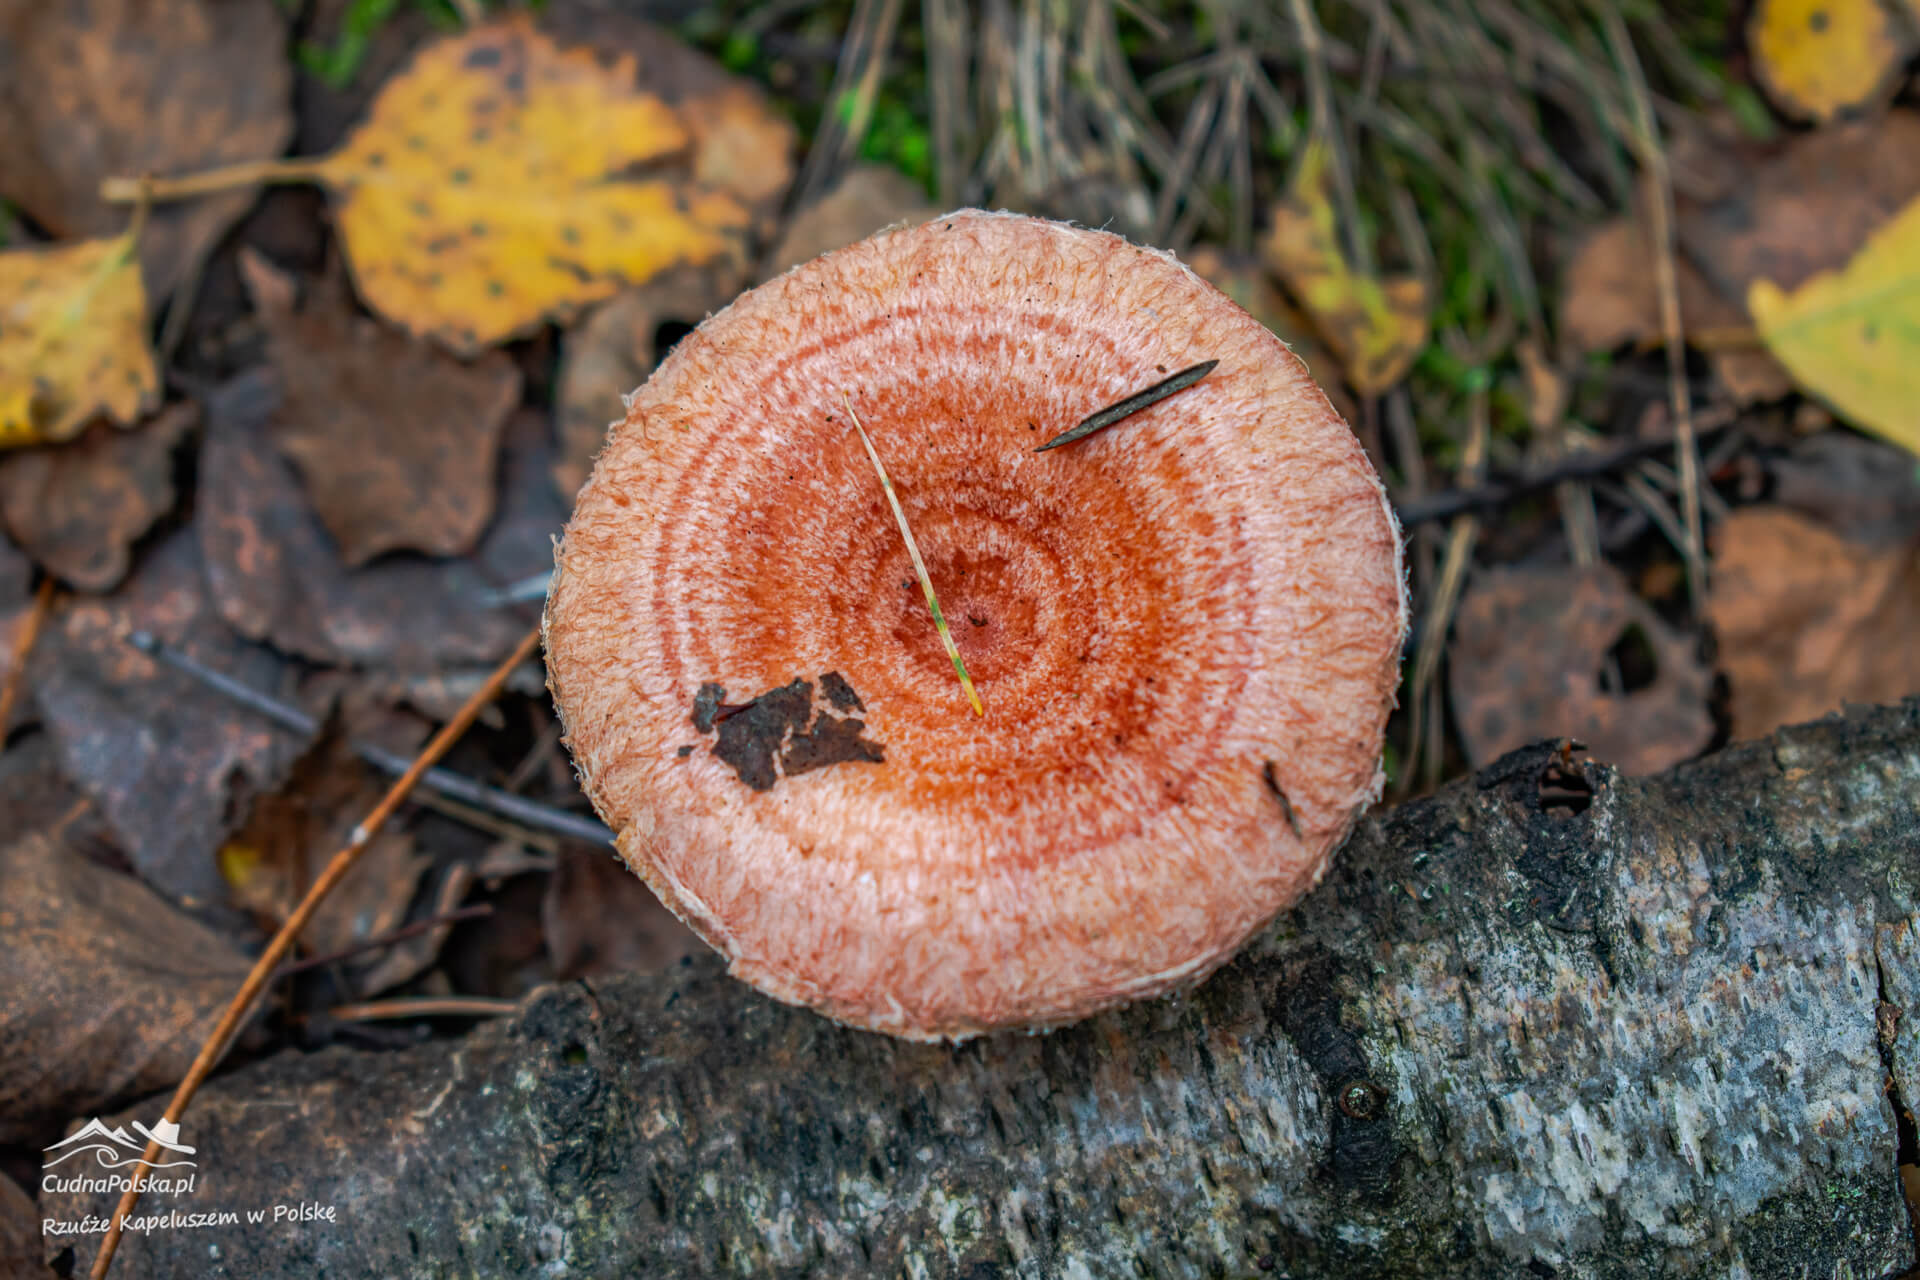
column 217, row 1043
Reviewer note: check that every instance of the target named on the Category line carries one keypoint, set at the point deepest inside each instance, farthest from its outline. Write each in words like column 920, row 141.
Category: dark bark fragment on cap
column 840, row 693
column 832, row 740
column 781, row 725
column 750, row 741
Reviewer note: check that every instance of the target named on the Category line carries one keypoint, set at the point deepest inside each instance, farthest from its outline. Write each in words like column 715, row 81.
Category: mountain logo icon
column 115, row 1148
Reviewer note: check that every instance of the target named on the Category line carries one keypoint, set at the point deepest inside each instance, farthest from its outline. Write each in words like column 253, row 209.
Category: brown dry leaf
column 1820, row 58
column 1808, row 621
column 16, row 575
column 395, row 440
column 1750, row 374
column 1610, row 297
column 20, row 1240
column 172, row 765
column 1546, row 389
column 408, row 958
column 601, row 919
column 1528, row 649
column 272, row 861
column 16, row 598
column 126, row 87
column 105, row 989
column 615, row 350
column 1242, row 278
column 371, row 902
column 1377, row 326
column 1865, row 491
column 1705, row 159
column 866, row 199
column 439, row 695
column 36, row 796
column 1807, row 208
column 73, row 340
column 493, row 185
column 506, row 953
column 79, row 507
column 277, row 576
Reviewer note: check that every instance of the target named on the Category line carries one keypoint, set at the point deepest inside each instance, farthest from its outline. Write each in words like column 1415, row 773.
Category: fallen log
column 1551, row 1021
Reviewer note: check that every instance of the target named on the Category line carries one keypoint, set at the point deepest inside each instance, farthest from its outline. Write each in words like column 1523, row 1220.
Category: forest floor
column 1625, row 308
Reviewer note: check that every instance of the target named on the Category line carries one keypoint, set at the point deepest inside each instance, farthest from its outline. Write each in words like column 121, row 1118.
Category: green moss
column 337, row 64
column 739, row 52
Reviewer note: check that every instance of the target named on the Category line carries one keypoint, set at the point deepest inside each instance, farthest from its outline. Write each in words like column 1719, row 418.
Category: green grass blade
column 919, row 566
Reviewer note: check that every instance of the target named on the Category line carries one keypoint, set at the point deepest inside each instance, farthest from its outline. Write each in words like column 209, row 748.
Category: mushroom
column 1186, row 630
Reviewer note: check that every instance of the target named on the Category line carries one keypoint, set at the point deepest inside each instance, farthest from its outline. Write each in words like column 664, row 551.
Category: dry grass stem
column 253, row 173
column 1686, row 447
column 919, row 565
column 856, row 88
column 423, row 1007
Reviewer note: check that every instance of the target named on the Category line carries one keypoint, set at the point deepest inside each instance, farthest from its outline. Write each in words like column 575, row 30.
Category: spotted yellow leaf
column 1819, row 58
column 1376, row 327
column 492, row 187
column 1852, row 336
column 73, row 340
column 505, row 177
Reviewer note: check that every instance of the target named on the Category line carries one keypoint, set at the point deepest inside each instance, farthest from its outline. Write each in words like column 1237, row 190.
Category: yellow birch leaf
column 1376, row 327
column 1852, row 336
column 73, row 340
column 1818, row 58
column 500, row 181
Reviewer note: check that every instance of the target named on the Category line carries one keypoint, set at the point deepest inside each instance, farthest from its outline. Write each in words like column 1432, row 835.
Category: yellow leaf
column 498, row 181
column 1852, row 337
column 1818, row 58
column 73, row 340
column 1376, row 327
column 240, row 864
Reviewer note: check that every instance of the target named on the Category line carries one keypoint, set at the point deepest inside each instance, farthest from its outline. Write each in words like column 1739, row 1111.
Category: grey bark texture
column 1661, row 1029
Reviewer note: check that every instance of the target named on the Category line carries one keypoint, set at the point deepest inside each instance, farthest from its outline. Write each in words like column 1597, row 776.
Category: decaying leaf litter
column 315, row 438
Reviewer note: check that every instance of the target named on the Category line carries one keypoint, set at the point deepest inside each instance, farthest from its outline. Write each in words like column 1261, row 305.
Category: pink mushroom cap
column 1185, row 629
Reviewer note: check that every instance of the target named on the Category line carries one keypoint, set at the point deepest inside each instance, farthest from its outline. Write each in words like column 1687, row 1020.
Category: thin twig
column 423, row 1007
column 241, row 1006
column 22, row 648
column 1636, row 491
column 446, row 782
column 405, row 931
column 1131, row 405
column 252, row 173
column 1647, row 141
column 1579, row 465
column 919, row 565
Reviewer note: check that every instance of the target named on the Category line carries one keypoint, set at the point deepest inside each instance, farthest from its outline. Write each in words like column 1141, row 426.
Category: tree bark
column 1544, row 1023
